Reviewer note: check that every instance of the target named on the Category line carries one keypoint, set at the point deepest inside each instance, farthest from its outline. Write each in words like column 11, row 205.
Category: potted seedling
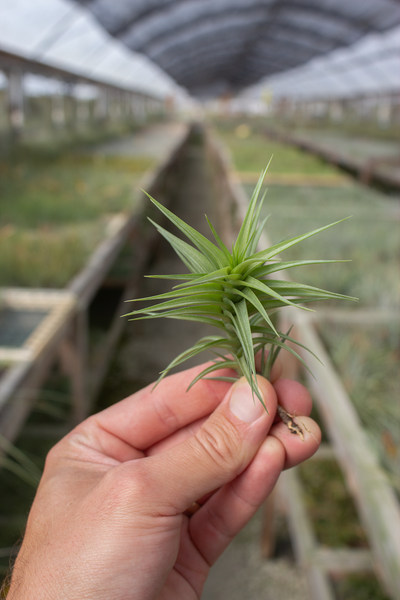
column 236, row 293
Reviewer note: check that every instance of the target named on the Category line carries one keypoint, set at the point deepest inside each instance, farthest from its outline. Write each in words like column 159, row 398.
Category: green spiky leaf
column 233, row 292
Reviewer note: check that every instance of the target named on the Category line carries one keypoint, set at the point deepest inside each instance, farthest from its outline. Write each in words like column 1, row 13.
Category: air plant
column 234, row 292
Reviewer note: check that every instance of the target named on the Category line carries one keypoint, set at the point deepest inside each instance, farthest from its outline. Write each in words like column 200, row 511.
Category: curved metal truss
column 214, row 47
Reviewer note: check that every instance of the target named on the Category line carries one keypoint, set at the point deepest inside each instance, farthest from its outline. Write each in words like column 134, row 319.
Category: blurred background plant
column 55, row 210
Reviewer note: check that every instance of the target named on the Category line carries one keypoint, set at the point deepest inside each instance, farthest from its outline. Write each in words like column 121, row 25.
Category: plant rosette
column 235, row 293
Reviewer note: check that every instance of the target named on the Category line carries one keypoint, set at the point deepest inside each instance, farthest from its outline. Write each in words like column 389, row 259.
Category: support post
column 16, row 100
column 58, row 110
column 73, row 354
column 268, row 535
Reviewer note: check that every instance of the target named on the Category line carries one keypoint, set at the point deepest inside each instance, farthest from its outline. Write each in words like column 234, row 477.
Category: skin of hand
column 108, row 518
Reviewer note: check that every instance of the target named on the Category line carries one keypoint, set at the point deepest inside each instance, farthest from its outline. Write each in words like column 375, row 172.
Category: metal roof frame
column 371, row 66
column 62, row 35
column 245, row 40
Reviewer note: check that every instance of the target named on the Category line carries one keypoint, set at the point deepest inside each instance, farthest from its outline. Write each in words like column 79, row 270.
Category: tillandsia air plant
column 234, row 292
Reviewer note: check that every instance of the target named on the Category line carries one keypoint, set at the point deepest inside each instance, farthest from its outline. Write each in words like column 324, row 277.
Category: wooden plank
column 11, row 60
column 74, row 358
column 364, row 317
column 296, row 179
column 59, row 305
column 26, row 376
column 19, row 387
column 375, row 499
column 20, row 384
column 268, row 537
column 341, row 561
column 13, row 355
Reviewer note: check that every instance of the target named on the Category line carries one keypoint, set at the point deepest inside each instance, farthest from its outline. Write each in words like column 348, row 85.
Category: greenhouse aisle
column 240, row 572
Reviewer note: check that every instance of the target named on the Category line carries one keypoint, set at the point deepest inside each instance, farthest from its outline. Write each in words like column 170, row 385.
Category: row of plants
column 368, row 363
column 251, row 151
column 57, row 208
column 348, row 128
column 358, row 147
column 370, row 239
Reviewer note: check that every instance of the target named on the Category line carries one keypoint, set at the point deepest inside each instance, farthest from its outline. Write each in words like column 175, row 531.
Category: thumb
column 218, row 452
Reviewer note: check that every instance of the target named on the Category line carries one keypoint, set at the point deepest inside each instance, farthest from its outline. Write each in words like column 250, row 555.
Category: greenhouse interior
column 213, row 139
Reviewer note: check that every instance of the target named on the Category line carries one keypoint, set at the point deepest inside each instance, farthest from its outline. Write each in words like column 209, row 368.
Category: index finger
column 150, row 415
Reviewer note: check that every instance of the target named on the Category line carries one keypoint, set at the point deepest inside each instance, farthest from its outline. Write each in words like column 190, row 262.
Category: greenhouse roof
column 213, row 47
column 61, row 34
column 370, row 66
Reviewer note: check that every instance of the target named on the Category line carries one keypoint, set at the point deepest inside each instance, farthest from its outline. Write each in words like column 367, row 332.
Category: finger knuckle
column 218, row 522
column 126, row 485
column 53, row 457
column 167, row 416
column 220, row 442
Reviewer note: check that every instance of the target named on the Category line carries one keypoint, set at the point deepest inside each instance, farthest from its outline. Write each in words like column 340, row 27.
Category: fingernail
column 244, row 404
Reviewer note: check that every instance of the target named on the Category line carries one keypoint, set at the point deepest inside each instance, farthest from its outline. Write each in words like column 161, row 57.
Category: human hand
column 108, row 519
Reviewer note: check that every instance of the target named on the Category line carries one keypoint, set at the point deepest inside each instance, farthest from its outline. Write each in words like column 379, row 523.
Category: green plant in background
column 16, row 461
column 368, row 362
column 229, row 290
column 56, row 208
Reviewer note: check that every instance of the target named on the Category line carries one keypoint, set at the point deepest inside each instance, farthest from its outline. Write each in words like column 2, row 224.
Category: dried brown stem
column 289, row 422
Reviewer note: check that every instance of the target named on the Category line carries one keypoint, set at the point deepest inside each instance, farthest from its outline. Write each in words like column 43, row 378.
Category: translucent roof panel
column 63, row 34
column 371, row 65
column 222, row 46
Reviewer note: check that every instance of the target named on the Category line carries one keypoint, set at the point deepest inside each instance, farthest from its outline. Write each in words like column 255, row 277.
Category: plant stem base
column 289, row 422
